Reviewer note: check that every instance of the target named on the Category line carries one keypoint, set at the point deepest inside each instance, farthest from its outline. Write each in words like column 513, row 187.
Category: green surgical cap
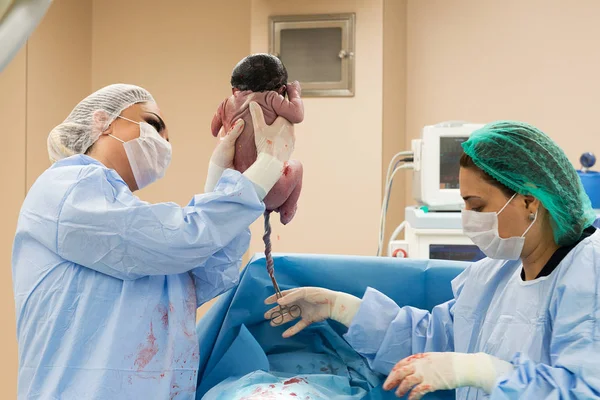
column 526, row 160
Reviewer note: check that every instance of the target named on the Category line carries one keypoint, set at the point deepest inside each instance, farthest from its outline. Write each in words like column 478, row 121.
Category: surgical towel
column 243, row 357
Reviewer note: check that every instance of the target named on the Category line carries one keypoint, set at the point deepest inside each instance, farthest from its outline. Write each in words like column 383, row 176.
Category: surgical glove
column 222, row 157
column 277, row 139
column 274, row 145
column 317, row 304
column 429, row 372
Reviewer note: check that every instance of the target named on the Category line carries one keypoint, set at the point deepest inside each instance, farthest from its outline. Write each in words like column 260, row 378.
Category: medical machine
column 435, row 165
column 591, row 182
column 434, row 235
column 590, row 179
column 433, row 228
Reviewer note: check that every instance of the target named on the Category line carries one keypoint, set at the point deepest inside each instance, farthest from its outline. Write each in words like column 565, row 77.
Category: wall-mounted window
column 317, row 50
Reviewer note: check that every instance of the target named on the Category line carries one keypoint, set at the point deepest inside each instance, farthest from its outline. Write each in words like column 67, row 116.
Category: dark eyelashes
column 154, row 123
column 157, row 124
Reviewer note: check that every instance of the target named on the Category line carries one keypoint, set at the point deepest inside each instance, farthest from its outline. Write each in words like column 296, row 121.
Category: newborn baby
column 263, row 78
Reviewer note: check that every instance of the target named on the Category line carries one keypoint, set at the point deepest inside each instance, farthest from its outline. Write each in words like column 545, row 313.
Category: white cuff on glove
column 344, row 308
column 264, row 173
column 212, row 177
column 479, row 370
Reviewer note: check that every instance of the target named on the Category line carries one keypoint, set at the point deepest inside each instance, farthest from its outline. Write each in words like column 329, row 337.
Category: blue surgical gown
column 106, row 285
column 549, row 328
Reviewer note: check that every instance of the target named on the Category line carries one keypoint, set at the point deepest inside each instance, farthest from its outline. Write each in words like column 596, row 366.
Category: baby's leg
column 288, row 209
column 283, row 188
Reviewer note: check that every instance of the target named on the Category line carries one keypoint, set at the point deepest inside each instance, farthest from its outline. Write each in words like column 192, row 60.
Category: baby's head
column 259, row 73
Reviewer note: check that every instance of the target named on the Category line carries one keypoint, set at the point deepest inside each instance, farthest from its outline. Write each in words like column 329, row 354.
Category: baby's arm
column 291, row 109
column 217, row 121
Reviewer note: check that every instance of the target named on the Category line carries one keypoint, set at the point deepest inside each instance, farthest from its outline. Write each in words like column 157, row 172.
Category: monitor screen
column 455, row 252
column 450, row 152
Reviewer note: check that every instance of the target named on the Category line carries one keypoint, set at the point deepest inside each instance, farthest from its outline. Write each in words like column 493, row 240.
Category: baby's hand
column 294, row 89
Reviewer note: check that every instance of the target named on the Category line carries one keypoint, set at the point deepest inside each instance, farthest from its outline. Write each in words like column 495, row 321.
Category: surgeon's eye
column 477, row 209
column 154, row 123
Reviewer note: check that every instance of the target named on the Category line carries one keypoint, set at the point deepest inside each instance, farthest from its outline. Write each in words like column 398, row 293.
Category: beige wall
column 13, row 114
column 534, row 60
column 342, row 155
column 181, row 52
column 59, row 56
column 394, row 105
column 37, row 90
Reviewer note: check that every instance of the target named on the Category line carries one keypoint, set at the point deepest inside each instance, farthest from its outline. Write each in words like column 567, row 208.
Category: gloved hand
column 317, row 304
column 222, row 157
column 274, row 145
column 277, row 139
column 429, row 372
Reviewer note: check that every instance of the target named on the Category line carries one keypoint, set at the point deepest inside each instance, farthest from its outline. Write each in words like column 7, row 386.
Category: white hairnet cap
column 91, row 117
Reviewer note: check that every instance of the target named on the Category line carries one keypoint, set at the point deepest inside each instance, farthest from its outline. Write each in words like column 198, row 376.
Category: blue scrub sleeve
column 385, row 333
column 574, row 372
column 222, row 271
column 124, row 237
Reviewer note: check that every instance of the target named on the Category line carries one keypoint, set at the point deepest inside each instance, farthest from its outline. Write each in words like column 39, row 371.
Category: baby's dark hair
column 259, row 73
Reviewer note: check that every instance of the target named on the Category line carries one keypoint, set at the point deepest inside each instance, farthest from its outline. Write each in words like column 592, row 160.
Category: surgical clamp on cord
column 278, row 316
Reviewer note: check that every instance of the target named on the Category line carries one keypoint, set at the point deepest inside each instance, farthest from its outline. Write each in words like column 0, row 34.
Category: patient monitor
column 435, row 171
column 433, row 228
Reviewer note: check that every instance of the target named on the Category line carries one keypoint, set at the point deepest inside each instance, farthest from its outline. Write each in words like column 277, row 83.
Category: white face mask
column 149, row 155
column 482, row 228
